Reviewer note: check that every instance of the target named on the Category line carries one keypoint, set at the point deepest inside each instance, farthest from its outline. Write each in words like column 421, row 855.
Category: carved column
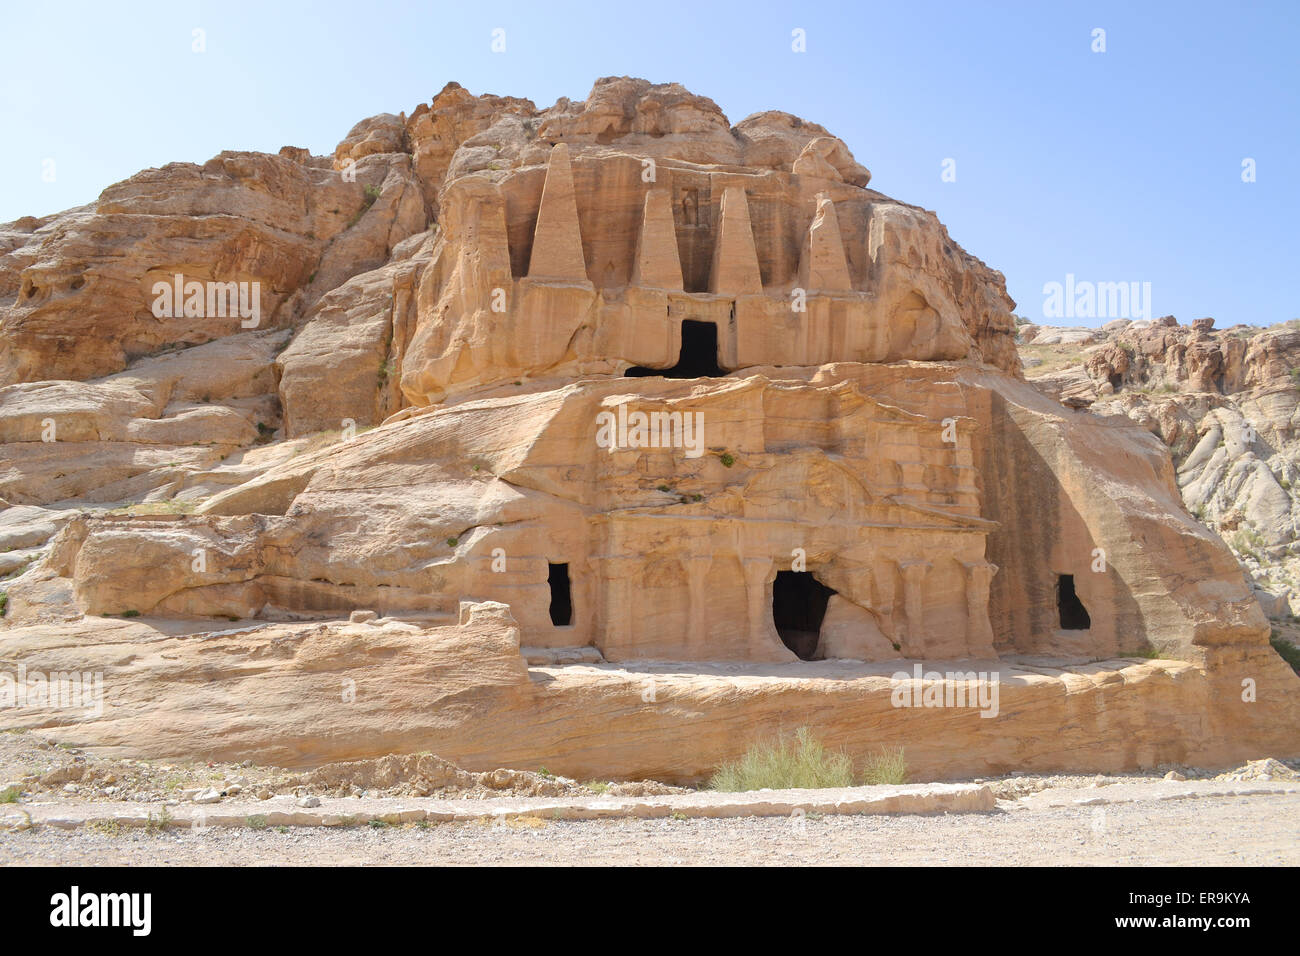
column 883, row 579
column 697, row 581
column 618, row 570
column 617, row 632
column 757, row 571
column 914, row 605
column 913, row 473
column 979, row 632
column 557, row 236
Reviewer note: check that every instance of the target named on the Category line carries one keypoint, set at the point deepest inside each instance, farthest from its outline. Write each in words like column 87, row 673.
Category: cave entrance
column 798, row 606
column 698, row 358
column 1116, row 381
column 561, row 595
column 1073, row 615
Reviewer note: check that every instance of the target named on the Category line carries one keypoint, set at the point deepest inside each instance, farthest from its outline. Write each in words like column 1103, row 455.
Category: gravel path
column 1244, row 830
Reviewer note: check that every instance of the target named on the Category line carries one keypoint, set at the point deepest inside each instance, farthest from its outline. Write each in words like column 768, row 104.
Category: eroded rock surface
column 588, row 388
column 1225, row 402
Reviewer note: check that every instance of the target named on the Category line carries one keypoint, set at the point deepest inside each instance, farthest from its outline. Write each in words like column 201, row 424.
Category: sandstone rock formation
column 306, row 694
column 1227, row 403
column 562, row 393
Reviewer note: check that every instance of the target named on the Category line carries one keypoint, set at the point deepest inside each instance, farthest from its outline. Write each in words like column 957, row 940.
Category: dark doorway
column 1074, row 616
column 699, row 356
column 798, row 606
column 561, row 597
column 1116, row 381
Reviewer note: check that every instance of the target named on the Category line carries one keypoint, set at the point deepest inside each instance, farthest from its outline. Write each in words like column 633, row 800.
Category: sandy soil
column 1246, row 831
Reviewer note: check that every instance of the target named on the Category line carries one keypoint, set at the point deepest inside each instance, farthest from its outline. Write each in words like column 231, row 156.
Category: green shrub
column 1287, row 651
column 1148, row 653
column 786, row 764
column 887, row 766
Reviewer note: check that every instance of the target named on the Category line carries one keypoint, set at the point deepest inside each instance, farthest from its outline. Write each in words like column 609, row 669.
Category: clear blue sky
column 1115, row 166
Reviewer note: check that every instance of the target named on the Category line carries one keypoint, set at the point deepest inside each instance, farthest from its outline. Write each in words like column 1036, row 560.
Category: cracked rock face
column 585, row 388
column 1226, row 402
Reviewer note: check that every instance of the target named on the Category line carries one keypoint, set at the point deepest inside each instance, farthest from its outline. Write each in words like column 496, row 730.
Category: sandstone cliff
column 1226, row 402
column 415, row 400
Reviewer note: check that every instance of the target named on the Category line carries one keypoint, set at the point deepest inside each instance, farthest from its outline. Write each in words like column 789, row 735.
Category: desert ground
column 1260, row 830
column 1168, row 816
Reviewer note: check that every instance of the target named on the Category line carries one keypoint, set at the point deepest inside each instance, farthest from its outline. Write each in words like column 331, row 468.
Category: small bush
column 727, row 459
column 256, row 822
column 786, row 764
column 1148, row 653
column 9, row 795
column 1287, row 651
column 131, row 613
column 888, row 766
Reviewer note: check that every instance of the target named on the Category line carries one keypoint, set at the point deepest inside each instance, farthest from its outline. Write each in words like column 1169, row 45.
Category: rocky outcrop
column 77, row 290
column 301, row 695
column 561, row 393
column 1227, row 403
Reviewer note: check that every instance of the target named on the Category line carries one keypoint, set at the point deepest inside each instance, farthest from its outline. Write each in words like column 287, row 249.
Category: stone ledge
column 344, row 811
column 1152, row 790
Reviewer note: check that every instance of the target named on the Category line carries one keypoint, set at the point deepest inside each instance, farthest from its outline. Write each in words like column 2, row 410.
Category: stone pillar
column 757, row 571
column 823, row 266
column 697, row 580
column 619, row 574
column 979, row 632
column 914, row 572
column 883, row 595
column 557, row 238
column 735, row 268
column 657, row 264
column 913, row 473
